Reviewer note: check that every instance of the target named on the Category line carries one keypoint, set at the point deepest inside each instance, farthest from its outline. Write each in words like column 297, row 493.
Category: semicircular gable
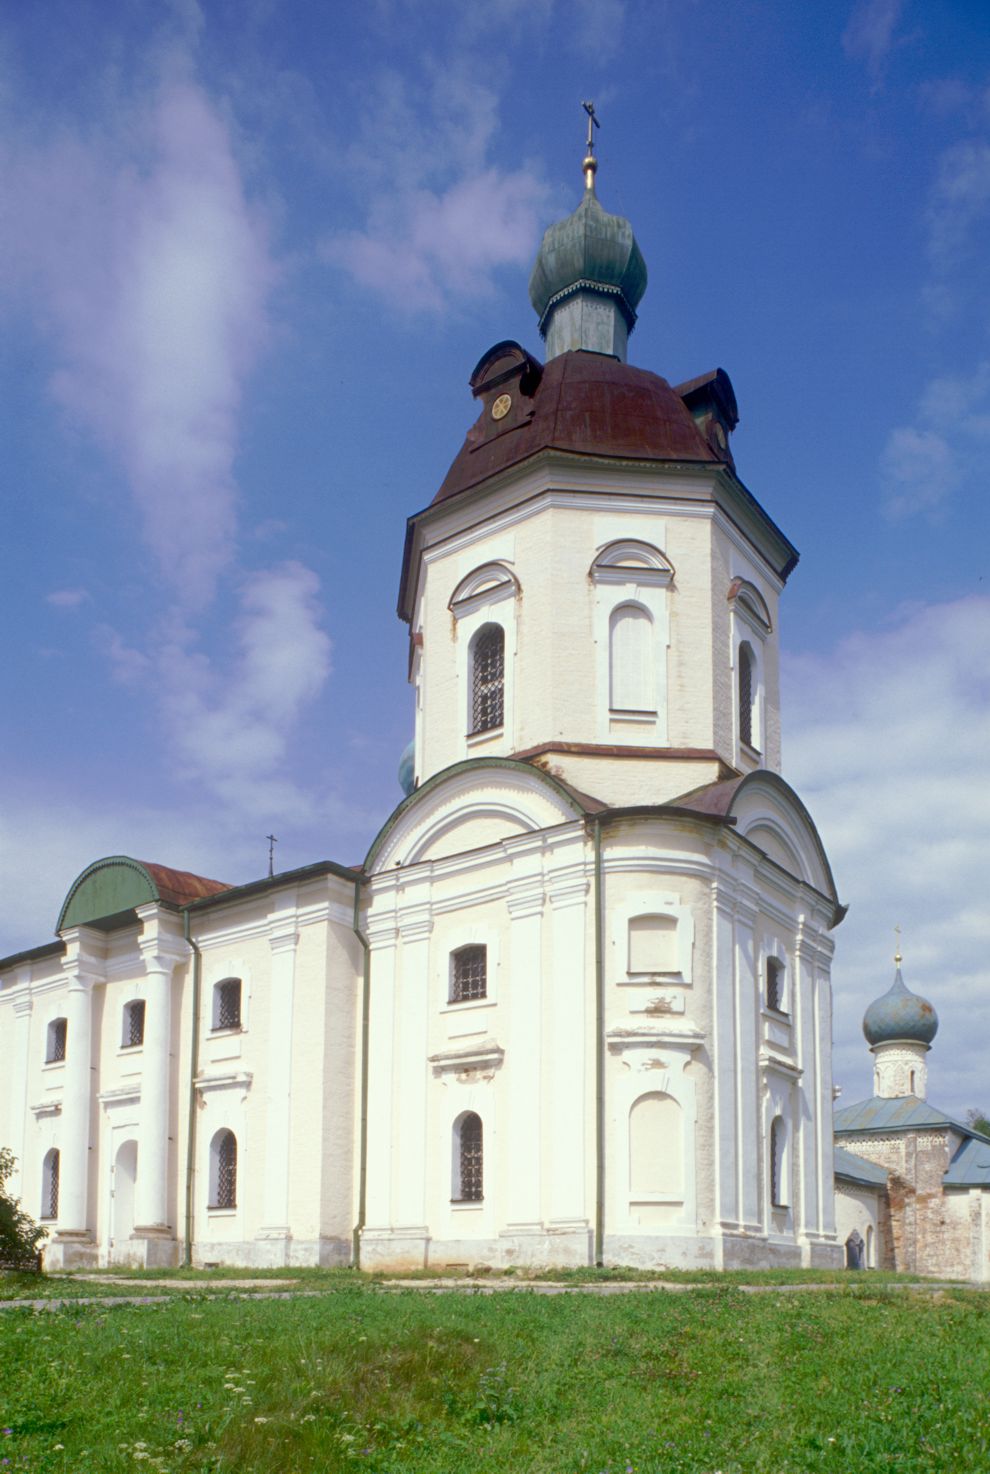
column 471, row 804
column 770, row 815
column 105, row 889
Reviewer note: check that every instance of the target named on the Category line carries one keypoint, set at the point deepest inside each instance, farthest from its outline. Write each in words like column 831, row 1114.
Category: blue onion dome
column 590, row 249
column 900, row 1015
column 407, row 769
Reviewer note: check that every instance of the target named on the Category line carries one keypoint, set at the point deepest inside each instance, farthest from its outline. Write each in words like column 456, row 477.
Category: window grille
column 472, row 1163
column 49, row 1185
column 775, row 984
column 746, row 695
column 57, row 1034
column 776, row 1158
column 227, row 1004
column 469, row 978
column 488, row 679
column 133, row 1024
column 225, row 1194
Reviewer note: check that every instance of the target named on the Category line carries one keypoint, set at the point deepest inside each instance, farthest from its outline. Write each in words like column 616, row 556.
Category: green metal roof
column 900, row 1113
column 856, row 1169
column 970, row 1167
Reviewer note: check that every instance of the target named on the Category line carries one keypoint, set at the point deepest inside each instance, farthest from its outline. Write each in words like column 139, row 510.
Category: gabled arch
column 764, row 807
column 485, row 584
column 749, row 601
column 529, row 798
column 629, row 560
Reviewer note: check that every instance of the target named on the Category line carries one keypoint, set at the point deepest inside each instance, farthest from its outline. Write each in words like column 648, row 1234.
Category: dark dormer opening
column 712, row 402
column 505, row 379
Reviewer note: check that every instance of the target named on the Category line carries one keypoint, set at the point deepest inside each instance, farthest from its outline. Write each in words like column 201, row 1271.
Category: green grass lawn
column 400, row 1382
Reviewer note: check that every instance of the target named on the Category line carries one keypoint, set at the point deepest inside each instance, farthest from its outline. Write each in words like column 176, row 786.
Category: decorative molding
column 469, row 1062
column 236, row 1080
column 650, row 1037
column 46, row 1108
column 772, row 1064
column 119, row 1095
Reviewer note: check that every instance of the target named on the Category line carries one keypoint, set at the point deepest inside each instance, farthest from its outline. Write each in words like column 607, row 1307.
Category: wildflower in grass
column 261, row 1420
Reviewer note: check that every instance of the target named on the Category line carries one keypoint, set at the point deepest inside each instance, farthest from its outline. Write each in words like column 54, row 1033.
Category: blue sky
column 249, row 255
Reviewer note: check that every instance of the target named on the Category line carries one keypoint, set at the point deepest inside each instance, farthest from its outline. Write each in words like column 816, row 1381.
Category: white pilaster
column 749, row 1136
column 382, row 935
column 82, row 965
column 162, row 949
column 284, row 944
column 20, row 1008
column 412, row 1012
column 525, row 903
column 570, row 1089
column 724, row 1063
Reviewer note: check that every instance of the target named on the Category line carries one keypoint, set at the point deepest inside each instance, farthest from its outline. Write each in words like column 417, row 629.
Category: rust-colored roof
column 181, row 886
column 584, row 403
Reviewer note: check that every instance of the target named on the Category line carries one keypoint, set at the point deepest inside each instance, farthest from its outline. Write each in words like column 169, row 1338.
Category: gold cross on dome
column 593, row 123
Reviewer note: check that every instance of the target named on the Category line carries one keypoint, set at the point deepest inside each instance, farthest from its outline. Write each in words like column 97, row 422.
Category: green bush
column 20, row 1236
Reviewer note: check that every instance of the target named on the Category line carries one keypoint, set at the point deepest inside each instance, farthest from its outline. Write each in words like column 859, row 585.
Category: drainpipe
column 365, row 1020
column 193, row 1067
column 599, row 1054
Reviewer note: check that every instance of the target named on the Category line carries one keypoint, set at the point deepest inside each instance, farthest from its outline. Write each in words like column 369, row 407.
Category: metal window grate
column 134, row 1024
column 57, row 1033
column 470, row 974
column 228, row 1004
column 226, row 1196
column 745, row 696
column 775, row 978
column 49, row 1206
column 488, row 680
column 472, row 1160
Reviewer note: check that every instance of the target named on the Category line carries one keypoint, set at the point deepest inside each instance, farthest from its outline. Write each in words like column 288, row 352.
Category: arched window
column 223, row 1170
column 656, row 1147
column 778, row 1196
column 468, row 974
column 488, row 678
column 132, row 1033
column 747, row 693
column 632, row 686
column 775, row 984
column 468, row 1184
column 49, row 1185
column 227, row 1004
column 55, row 1042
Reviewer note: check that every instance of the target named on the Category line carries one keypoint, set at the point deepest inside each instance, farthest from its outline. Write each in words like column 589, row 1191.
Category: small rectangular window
column 227, row 1004
column 133, row 1032
column 469, row 974
column 775, row 984
column 57, row 1034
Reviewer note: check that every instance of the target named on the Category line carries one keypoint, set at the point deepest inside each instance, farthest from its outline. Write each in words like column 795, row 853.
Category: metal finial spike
column 898, row 959
column 272, row 842
column 590, row 164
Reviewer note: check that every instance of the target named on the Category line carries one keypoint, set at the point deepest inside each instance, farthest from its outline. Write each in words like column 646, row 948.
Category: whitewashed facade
column 576, row 1005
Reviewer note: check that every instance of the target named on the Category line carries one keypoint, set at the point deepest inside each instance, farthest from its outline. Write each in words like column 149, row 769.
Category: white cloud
column 424, row 250
column 151, row 272
column 886, row 743
column 959, row 203
column 67, row 598
column 922, row 464
column 869, row 35
column 439, row 218
column 230, row 727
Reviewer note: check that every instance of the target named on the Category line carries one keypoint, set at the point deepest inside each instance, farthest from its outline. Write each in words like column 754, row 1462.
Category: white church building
column 575, row 1006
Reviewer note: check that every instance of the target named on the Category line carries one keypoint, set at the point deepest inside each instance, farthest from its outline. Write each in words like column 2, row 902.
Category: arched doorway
column 124, row 1179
